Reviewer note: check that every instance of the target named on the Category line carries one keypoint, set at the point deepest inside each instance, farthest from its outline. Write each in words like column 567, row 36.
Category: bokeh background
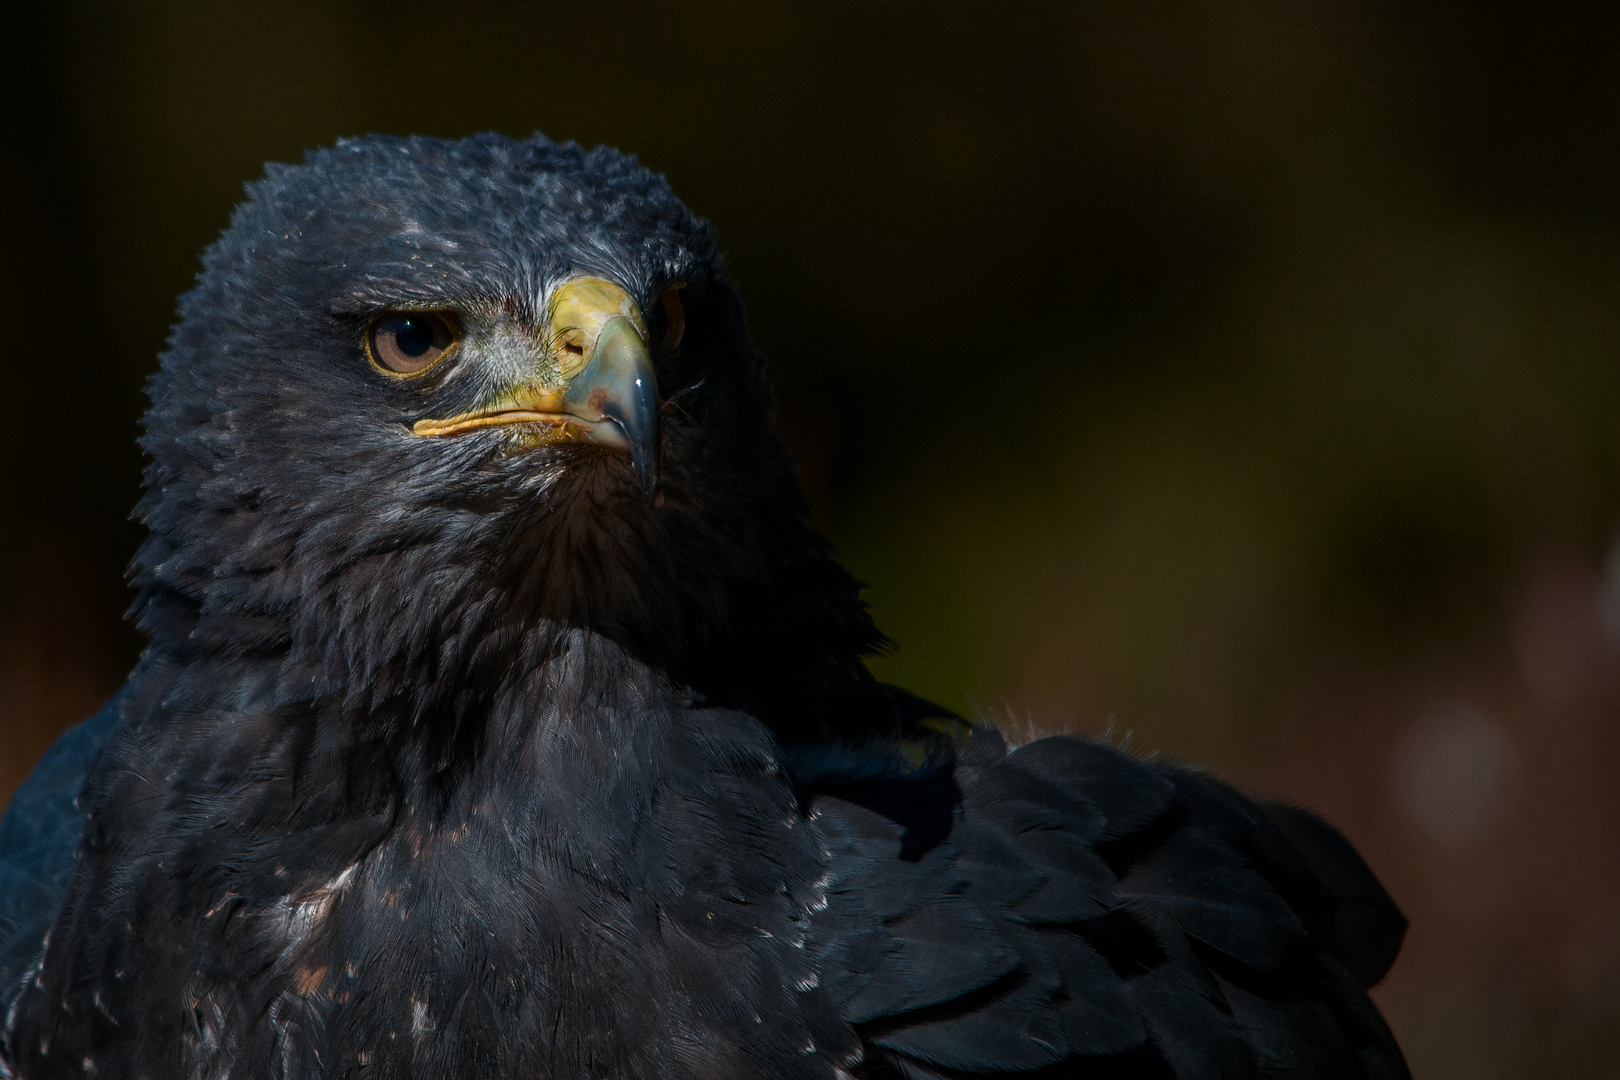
column 1235, row 378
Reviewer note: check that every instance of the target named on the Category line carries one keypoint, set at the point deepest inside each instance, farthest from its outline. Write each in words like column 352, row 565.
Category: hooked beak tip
column 620, row 382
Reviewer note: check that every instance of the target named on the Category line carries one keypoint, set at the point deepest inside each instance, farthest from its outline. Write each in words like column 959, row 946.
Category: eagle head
column 432, row 406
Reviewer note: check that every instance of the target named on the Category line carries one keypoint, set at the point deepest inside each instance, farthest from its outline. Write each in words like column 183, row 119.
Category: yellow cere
column 579, row 310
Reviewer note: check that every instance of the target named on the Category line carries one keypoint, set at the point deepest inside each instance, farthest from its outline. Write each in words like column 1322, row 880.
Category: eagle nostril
column 568, row 347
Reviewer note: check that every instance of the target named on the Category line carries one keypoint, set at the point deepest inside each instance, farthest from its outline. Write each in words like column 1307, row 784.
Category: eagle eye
column 409, row 342
column 674, row 316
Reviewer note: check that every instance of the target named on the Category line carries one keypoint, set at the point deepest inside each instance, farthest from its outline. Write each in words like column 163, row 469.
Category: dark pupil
column 413, row 336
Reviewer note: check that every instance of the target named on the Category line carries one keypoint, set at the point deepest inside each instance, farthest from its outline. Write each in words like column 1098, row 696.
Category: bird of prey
column 504, row 715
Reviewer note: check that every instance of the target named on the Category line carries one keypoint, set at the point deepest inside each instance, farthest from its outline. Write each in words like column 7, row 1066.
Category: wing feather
column 1079, row 906
column 39, row 836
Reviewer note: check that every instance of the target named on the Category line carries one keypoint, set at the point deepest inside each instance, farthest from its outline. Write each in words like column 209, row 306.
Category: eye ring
column 404, row 344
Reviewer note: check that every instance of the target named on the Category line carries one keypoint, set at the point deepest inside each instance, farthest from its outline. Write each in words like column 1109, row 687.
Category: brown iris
column 410, row 342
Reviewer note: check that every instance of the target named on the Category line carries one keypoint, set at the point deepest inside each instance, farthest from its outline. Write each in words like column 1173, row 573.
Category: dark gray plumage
column 473, row 742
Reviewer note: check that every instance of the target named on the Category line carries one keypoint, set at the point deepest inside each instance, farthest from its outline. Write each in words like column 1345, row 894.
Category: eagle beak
column 617, row 394
column 595, row 384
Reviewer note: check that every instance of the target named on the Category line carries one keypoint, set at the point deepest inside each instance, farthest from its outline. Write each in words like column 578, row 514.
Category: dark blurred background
column 1239, row 378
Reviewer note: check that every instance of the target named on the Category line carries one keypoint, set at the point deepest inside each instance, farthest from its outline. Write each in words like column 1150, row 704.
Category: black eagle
column 505, row 716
